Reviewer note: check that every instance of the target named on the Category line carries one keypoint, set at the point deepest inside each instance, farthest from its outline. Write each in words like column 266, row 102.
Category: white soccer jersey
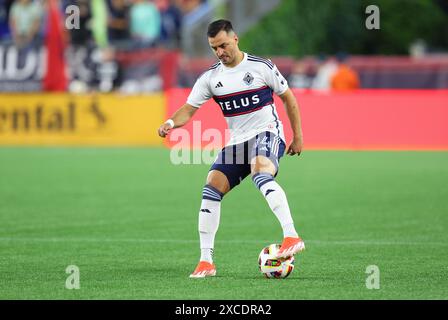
column 244, row 94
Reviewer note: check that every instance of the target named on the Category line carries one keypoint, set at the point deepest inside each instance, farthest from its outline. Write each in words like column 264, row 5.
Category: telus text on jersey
column 243, row 102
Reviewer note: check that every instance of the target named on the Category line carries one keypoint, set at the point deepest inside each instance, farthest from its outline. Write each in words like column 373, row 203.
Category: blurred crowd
column 100, row 41
column 132, row 46
column 329, row 73
column 120, row 23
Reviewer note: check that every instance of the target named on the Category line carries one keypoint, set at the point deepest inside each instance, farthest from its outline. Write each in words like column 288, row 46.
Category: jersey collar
column 239, row 64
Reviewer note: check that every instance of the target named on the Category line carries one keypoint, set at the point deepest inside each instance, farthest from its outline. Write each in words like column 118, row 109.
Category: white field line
column 186, row 241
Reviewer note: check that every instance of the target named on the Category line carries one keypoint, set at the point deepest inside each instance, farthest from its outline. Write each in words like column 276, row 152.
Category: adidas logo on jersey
column 219, row 85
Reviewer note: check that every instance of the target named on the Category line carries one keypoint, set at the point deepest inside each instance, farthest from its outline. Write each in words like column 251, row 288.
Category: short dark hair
column 216, row 26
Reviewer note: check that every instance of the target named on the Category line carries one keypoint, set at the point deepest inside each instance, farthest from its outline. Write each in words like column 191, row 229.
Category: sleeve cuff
column 194, row 105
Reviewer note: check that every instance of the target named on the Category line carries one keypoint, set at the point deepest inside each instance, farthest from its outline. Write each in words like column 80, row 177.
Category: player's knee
column 219, row 181
column 262, row 164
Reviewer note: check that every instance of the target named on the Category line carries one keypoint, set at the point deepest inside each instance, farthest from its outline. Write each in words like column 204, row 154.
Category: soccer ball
column 273, row 267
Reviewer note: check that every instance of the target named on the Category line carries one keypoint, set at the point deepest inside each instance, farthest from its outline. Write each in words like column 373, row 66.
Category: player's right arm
column 198, row 96
column 180, row 118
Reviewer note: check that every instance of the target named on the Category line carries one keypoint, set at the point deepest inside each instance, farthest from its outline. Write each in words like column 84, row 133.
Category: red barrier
column 358, row 120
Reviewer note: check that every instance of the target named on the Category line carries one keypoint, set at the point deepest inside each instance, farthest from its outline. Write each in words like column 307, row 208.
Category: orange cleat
column 290, row 247
column 204, row 269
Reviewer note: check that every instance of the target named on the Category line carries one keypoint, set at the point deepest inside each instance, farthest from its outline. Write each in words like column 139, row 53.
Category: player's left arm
column 275, row 80
column 292, row 109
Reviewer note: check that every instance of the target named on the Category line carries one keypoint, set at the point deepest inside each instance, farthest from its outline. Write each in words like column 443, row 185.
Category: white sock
column 209, row 215
column 207, row 255
column 276, row 198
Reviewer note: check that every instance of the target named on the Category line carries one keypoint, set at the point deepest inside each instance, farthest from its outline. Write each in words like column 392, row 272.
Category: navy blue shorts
column 234, row 161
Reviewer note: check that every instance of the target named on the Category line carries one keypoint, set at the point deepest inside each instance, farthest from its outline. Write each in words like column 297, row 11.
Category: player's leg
column 267, row 150
column 215, row 188
column 225, row 174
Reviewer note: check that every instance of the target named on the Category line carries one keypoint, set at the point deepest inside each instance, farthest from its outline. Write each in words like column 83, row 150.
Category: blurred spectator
column 80, row 65
column 171, row 23
column 25, row 21
column 5, row 6
column 188, row 6
column 118, row 23
column 326, row 69
column 145, row 23
column 99, row 22
column 83, row 35
column 418, row 48
column 299, row 77
column 345, row 78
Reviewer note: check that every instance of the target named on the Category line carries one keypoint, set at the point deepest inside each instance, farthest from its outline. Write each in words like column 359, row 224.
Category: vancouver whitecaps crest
column 248, row 78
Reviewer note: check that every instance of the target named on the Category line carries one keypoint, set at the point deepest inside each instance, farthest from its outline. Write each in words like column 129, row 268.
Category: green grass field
column 127, row 218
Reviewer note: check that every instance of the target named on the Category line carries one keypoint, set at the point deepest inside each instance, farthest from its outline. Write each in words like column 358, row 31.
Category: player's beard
column 226, row 59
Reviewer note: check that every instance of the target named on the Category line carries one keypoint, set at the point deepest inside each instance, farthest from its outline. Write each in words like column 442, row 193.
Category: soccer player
column 242, row 85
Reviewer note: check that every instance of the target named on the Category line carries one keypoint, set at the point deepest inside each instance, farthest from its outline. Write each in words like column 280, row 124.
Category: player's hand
column 295, row 147
column 164, row 129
